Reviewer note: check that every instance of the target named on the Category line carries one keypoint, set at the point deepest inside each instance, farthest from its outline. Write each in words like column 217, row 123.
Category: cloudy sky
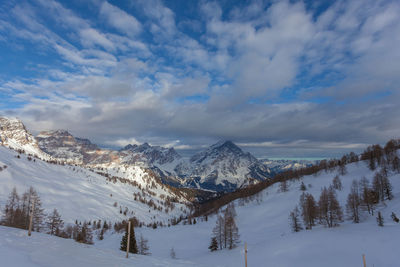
column 280, row 78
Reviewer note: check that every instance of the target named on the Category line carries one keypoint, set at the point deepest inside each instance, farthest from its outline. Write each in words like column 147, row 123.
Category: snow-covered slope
column 79, row 193
column 19, row 250
column 264, row 224
column 222, row 167
column 13, row 134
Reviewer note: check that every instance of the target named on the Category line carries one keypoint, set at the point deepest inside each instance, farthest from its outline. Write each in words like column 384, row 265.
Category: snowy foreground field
column 76, row 192
column 263, row 225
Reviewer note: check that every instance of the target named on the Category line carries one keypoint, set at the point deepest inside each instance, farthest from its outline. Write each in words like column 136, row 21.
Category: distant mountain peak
column 59, row 132
column 223, row 167
column 223, row 143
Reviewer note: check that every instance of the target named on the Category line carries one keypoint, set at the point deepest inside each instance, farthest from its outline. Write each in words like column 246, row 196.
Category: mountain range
column 223, row 167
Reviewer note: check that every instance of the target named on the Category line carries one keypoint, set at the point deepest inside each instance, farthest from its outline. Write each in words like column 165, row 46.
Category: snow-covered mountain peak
column 63, row 145
column 13, row 134
column 221, row 151
column 223, row 167
column 150, row 154
column 59, row 132
column 228, row 147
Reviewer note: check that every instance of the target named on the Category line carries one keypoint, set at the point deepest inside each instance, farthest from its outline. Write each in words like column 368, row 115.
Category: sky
column 279, row 78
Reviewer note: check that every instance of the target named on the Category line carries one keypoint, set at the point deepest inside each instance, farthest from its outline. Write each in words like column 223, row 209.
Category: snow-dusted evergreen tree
column 84, row 234
column 214, row 244
column 54, row 223
column 295, row 220
column 132, row 241
column 353, row 202
column 143, row 246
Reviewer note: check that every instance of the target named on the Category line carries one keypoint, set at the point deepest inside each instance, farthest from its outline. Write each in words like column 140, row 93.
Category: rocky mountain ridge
column 222, row 167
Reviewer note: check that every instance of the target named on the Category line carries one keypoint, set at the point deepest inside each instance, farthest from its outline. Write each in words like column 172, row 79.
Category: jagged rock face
column 149, row 154
column 222, row 167
column 14, row 129
column 13, row 134
column 62, row 145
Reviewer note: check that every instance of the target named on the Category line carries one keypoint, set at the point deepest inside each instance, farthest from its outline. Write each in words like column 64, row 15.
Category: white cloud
column 122, row 89
column 90, row 37
column 123, row 142
column 120, row 20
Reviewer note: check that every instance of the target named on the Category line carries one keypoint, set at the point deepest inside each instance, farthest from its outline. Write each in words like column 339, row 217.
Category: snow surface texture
column 264, row 225
column 19, row 250
column 78, row 193
column 265, row 228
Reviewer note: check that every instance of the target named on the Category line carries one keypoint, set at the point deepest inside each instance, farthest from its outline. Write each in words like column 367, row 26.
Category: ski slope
column 78, row 193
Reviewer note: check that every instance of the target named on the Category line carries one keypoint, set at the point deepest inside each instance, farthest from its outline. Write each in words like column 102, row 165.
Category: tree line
column 19, row 208
column 375, row 156
column 225, row 234
column 363, row 197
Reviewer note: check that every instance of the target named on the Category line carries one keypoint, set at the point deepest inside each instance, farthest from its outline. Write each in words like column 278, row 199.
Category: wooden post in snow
column 129, row 238
column 364, row 261
column 31, row 217
column 245, row 254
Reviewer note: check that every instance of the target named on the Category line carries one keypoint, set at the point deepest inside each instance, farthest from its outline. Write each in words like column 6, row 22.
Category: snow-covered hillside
column 79, row 193
column 263, row 223
column 17, row 250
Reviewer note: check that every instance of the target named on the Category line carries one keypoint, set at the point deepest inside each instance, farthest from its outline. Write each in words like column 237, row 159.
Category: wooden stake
column 245, row 254
column 129, row 238
column 364, row 261
column 31, row 218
